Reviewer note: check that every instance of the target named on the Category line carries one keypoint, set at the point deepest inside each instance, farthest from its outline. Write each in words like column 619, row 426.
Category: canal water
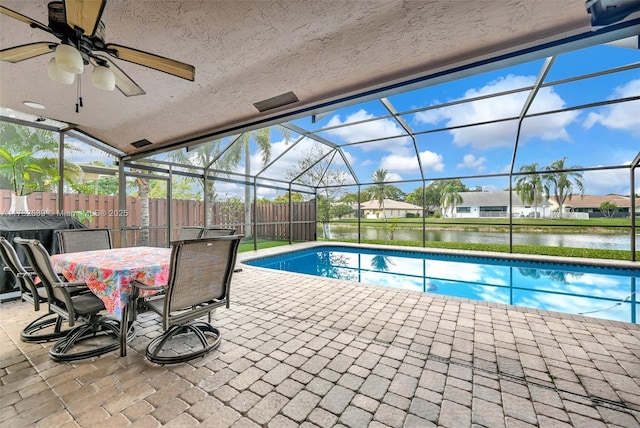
column 620, row 241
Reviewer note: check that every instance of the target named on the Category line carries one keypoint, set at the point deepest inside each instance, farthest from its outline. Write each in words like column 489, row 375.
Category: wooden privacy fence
column 271, row 220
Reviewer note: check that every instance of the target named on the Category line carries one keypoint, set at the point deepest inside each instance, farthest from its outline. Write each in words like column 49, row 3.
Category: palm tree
column 450, row 198
column 202, row 156
column 380, row 189
column 241, row 149
column 561, row 183
column 609, row 209
column 144, row 187
column 529, row 187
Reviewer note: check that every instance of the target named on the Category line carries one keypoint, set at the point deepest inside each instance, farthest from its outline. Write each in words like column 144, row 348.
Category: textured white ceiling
column 248, row 51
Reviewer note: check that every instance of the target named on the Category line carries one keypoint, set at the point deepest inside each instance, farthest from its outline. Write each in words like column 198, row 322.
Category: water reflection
column 556, row 275
column 577, row 240
column 380, row 263
column 590, row 291
column 333, row 265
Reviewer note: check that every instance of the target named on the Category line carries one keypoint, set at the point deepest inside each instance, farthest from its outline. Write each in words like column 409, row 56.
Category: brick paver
column 312, row 352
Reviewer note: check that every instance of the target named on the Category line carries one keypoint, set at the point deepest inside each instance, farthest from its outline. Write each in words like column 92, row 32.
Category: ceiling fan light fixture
column 69, row 59
column 103, row 78
column 59, row 75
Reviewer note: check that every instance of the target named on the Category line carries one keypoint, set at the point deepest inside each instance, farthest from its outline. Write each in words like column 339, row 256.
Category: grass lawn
column 262, row 244
column 520, row 224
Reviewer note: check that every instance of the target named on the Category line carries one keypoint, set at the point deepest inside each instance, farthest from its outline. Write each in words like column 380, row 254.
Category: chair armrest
column 29, row 270
column 61, row 277
column 70, row 285
column 142, row 286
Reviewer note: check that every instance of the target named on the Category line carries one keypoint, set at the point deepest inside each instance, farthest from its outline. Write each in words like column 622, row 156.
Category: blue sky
column 599, row 136
column 589, row 137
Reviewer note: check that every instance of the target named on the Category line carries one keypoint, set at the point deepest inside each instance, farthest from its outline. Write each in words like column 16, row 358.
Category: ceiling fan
column 82, row 41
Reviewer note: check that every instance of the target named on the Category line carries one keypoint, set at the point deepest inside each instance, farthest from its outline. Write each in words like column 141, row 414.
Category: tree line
column 535, row 185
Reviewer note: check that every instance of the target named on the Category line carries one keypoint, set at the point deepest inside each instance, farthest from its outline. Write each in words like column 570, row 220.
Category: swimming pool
column 596, row 291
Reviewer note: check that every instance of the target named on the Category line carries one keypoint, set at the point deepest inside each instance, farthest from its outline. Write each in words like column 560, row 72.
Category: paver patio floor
column 308, row 351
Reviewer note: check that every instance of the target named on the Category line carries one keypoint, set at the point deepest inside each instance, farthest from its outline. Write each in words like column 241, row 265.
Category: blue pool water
column 608, row 293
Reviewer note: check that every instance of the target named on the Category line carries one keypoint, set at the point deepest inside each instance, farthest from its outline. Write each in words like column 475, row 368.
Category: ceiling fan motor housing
column 57, row 20
column 59, row 26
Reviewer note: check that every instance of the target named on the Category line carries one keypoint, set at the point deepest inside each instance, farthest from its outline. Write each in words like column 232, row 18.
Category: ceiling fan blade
column 84, row 14
column 25, row 19
column 22, row 52
column 150, row 60
column 124, row 83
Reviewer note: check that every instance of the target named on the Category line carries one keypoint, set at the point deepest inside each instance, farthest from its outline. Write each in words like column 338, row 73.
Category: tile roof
column 389, row 204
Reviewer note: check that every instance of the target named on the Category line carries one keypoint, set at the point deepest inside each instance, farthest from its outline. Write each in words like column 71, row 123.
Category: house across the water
column 590, row 205
column 392, row 209
column 496, row 204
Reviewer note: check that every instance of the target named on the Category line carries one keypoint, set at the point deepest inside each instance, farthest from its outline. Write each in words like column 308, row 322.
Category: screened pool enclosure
column 533, row 155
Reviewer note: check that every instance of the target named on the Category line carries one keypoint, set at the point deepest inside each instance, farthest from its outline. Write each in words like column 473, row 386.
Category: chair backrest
column 200, row 276
column 211, row 232
column 76, row 240
column 40, row 261
column 189, row 232
column 12, row 262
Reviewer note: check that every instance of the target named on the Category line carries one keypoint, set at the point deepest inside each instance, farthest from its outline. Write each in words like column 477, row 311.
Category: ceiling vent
column 277, row 101
column 141, row 143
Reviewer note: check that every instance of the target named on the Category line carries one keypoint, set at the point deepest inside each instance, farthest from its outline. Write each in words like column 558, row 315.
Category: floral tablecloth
column 109, row 273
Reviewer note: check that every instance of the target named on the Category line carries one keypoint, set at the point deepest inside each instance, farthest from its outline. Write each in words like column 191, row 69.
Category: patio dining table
column 109, row 274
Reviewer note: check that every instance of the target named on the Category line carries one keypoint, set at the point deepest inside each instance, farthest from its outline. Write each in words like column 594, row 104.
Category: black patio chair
column 190, row 232
column 38, row 330
column 211, row 232
column 86, row 306
column 199, row 281
column 76, row 240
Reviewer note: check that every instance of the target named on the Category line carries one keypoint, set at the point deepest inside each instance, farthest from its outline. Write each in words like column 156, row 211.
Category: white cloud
column 409, row 163
column 606, row 181
column 491, row 188
column 623, row 116
column 276, row 150
column 470, row 161
column 265, row 192
column 369, row 131
column 432, row 117
column 431, row 161
column 399, row 163
column 392, row 176
column 227, row 190
column 349, row 157
column 502, row 134
column 280, row 168
column 82, row 153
